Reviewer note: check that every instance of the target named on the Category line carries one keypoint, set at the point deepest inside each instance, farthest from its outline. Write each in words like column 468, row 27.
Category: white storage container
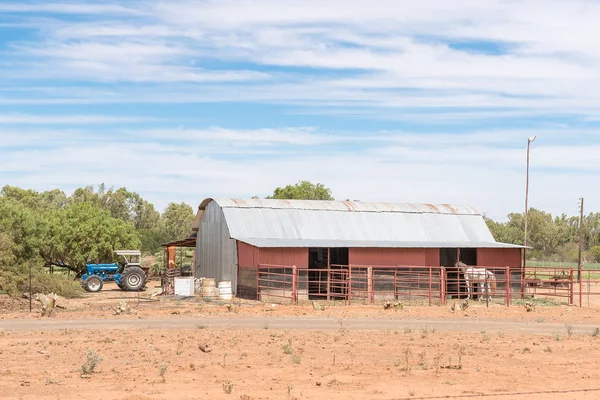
column 225, row 290
column 184, row 286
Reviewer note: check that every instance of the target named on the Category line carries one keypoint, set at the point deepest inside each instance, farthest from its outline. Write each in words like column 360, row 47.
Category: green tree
column 121, row 203
column 303, row 190
column 7, row 257
column 129, row 207
column 84, row 231
column 505, row 232
column 22, row 228
column 591, row 230
column 177, row 221
column 595, row 253
column 39, row 202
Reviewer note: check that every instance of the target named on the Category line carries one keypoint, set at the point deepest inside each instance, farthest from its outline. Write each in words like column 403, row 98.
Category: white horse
column 485, row 279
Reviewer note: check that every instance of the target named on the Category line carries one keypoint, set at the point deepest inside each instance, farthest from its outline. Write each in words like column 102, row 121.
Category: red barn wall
column 432, row 257
column 499, row 258
column 250, row 256
column 284, row 256
column 406, row 256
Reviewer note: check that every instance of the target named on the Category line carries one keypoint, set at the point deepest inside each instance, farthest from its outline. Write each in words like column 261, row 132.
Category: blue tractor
column 127, row 273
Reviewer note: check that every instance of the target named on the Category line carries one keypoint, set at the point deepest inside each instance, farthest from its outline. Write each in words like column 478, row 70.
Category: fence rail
column 426, row 285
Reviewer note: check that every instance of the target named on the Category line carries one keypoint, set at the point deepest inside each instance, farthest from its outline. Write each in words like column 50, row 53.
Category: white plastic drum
column 225, row 290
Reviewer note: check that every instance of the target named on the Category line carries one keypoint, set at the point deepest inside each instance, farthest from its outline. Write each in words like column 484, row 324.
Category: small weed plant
column 92, row 361
column 162, row 369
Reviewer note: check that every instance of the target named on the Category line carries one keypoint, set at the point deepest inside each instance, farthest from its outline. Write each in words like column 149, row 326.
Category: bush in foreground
column 15, row 284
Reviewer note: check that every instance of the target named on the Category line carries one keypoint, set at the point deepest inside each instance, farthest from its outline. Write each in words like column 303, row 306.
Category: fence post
column 523, row 271
column 443, row 287
column 396, row 285
column 508, row 287
column 257, row 282
column 370, row 284
column 294, row 285
column 571, row 286
column 30, row 295
column 328, row 282
column 349, row 294
column 581, row 289
column 430, row 283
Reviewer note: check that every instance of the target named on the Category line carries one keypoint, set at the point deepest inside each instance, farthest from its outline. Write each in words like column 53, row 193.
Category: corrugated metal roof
column 267, row 223
column 353, row 206
column 372, row 244
column 319, row 223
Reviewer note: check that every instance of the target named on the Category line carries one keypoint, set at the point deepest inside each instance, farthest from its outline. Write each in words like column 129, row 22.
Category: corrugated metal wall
column 216, row 253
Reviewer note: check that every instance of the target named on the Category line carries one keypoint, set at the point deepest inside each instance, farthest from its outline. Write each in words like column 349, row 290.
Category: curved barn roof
column 310, row 223
column 352, row 206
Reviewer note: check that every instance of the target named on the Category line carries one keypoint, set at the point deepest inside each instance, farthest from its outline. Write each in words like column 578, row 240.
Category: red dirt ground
column 265, row 362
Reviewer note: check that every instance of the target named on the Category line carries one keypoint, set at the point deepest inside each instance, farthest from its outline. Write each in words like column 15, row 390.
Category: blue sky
column 423, row 101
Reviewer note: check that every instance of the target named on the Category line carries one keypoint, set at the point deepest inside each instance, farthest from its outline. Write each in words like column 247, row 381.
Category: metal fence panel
column 425, row 285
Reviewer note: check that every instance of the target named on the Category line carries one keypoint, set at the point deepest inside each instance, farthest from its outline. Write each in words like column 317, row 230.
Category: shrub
column 15, row 284
column 92, row 361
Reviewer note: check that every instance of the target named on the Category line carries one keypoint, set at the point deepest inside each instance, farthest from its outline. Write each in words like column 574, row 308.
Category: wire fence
column 422, row 285
column 562, row 264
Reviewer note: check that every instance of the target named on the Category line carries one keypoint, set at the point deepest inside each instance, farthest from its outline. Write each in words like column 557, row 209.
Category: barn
column 236, row 237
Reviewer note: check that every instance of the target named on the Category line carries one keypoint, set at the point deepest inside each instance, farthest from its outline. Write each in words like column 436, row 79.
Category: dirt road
column 297, row 323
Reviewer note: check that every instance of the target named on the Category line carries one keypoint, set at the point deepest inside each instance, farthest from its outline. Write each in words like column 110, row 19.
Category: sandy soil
column 266, row 362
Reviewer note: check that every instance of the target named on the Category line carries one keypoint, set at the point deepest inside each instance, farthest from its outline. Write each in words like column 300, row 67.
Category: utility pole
column 529, row 140
column 580, row 239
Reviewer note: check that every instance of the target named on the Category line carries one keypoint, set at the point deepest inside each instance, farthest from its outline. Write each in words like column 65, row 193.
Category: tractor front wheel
column 133, row 279
column 93, row 284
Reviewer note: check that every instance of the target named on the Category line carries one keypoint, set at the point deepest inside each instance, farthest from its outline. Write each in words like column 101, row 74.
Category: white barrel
column 184, row 286
column 209, row 288
column 225, row 290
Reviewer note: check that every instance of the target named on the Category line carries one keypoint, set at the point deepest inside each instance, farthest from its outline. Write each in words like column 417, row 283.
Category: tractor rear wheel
column 93, row 284
column 133, row 279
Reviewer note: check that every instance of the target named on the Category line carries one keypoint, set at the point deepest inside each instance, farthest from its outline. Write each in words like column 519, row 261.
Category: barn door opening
column 324, row 280
column 338, row 285
column 455, row 282
column 318, row 263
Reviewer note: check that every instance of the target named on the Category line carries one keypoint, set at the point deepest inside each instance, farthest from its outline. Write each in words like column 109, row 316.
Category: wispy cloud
column 478, row 168
column 390, row 46
column 66, row 119
column 69, row 8
column 428, row 101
